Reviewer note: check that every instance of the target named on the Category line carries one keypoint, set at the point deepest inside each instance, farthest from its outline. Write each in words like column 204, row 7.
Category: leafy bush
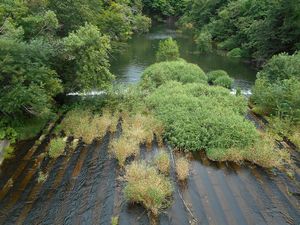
column 168, row 50
column 56, row 147
column 215, row 74
column 220, row 77
column 224, row 81
column 200, row 117
column 159, row 73
column 235, row 53
column 204, row 41
column 162, row 162
column 277, row 89
column 182, row 168
column 146, row 186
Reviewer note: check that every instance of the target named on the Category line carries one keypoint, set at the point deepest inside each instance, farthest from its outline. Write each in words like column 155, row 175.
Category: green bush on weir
column 159, row 73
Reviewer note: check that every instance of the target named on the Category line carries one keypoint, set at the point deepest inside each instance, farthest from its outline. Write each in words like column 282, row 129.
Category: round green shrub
column 168, row 50
column 159, row 73
column 235, row 53
column 224, row 81
column 209, row 120
column 213, row 75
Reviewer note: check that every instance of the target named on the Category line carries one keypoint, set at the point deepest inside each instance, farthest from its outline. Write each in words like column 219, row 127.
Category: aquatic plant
column 56, row 147
column 146, row 186
column 162, row 162
column 182, row 168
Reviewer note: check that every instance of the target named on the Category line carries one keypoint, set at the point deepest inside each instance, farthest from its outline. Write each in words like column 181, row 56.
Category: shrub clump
column 162, row 162
column 168, row 50
column 56, row 147
column 204, row 41
column 220, row 78
column 182, row 168
column 186, row 111
column 181, row 71
column 146, row 186
column 235, row 53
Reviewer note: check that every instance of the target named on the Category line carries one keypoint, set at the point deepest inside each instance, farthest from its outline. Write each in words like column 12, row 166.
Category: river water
column 84, row 186
column 140, row 53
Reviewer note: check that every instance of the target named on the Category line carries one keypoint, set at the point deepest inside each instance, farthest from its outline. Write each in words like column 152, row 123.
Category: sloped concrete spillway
column 84, row 186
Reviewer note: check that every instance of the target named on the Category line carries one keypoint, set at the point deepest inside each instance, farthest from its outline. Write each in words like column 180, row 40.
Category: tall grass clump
column 182, row 168
column 162, row 162
column 56, row 147
column 84, row 124
column 123, row 148
column 264, row 152
column 147, row 187
column 160, row 73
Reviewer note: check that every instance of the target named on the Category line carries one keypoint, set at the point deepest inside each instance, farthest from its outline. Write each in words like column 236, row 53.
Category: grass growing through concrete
column 84, row 124
column 162, row 162
column 56, row 147
column 147, row 187
column 182, row 168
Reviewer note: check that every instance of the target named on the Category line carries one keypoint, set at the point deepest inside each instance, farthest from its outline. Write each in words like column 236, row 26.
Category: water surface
column 140, row 53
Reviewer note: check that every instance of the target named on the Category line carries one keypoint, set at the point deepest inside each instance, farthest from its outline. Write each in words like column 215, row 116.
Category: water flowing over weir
column 84, row 186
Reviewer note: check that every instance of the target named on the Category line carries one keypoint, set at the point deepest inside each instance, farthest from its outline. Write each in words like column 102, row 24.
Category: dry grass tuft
column 82, row 123
column 162, row 162
column 146, row 186
column 182, row 168
column 122, row 149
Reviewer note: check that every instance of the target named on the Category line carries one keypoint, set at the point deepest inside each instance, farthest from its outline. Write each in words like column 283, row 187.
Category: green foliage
column 8, row 152
column 159, row 73
column 56, row 147
column 27, row 83
column 204, row 41
column 259, row 29
column 235, row 53
column 224, row 81
column 189, row 122
column 164, row 8
column 168, row 51
column 220, row 78
column 277, row 88
column 115, row 220
column 87, row 61
column 215, row 74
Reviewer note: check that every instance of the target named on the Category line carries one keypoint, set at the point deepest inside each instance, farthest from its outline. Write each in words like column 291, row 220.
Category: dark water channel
column 84, row 186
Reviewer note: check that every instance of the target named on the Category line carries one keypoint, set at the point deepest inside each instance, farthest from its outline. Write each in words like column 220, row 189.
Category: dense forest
column 50, row 48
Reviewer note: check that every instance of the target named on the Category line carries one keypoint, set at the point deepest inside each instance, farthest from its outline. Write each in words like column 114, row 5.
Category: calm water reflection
column 140, row 53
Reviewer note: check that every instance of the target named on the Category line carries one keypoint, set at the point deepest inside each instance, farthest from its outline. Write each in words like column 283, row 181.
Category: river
column 84, row 186
column 141, row 49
